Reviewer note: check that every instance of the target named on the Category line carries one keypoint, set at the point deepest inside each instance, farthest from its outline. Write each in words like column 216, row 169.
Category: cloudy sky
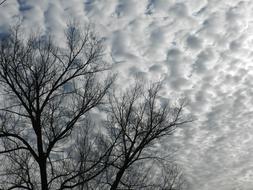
column 202, row 49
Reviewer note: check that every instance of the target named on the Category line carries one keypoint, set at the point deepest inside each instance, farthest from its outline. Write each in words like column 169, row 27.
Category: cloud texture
column 203, row 51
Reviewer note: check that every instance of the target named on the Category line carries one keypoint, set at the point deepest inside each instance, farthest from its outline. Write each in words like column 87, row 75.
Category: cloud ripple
column 202, row 49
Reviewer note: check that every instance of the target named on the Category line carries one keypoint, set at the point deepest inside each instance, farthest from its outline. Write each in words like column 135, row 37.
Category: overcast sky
column 203, row 51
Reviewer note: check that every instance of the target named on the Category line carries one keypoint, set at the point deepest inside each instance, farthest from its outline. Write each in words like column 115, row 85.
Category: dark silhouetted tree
column 49, row 139
column 46, row 92
column 137, row 121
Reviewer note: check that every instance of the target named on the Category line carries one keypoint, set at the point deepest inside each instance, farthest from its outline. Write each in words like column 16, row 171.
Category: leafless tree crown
column 46, row 92
column 48, row 141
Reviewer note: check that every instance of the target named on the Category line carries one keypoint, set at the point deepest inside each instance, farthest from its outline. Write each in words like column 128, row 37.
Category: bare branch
column 2, row 2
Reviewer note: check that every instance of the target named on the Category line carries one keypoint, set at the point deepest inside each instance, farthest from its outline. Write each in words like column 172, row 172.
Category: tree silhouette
column 46, row 92
column 49, row 139
column 136, row 122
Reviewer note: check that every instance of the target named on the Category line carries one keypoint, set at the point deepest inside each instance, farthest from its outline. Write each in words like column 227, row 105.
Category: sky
column 201, row 49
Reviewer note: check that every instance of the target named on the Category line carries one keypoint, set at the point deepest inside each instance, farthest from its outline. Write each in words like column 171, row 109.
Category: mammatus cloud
column 201, row 48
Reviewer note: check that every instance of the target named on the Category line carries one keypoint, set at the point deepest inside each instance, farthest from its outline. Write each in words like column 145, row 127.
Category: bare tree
column 48, row 139
column 46, row 93
column 136, row 122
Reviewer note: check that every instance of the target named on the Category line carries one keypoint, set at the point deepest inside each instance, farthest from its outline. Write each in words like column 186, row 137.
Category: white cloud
column 202, row 48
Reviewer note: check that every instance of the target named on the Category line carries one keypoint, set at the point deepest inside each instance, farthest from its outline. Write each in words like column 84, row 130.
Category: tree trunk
column 118, row 178
column 43, row 174
column 42, row 160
